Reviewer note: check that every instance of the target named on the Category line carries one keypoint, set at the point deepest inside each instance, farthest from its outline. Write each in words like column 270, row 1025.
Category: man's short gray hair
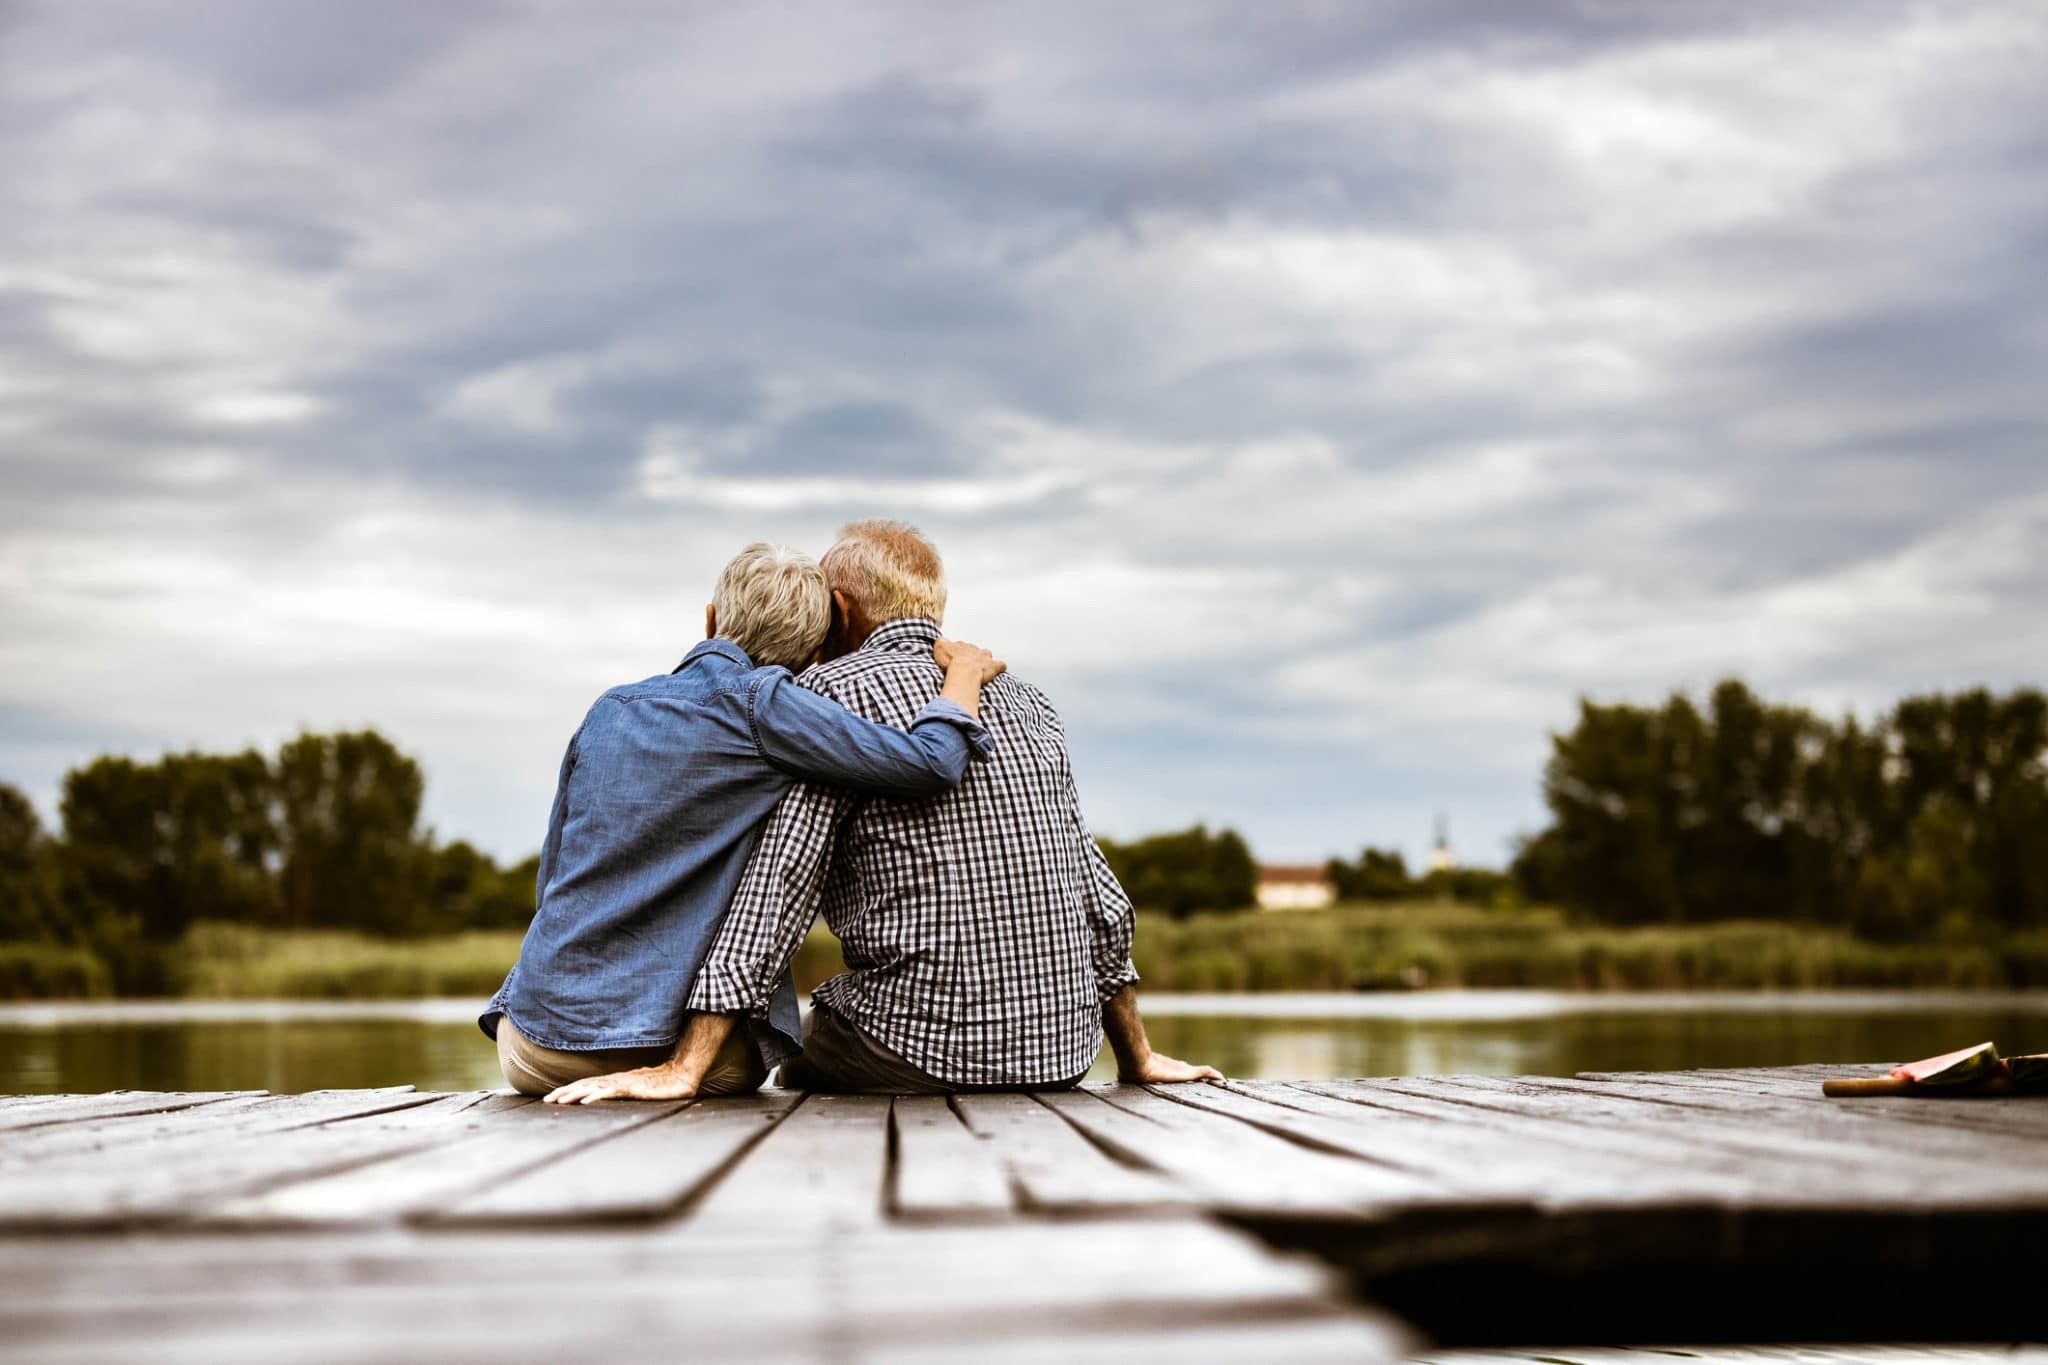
column 772, row 602
column 890, row 569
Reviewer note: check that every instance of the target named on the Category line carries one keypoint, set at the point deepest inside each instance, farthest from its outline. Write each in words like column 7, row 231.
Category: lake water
column 435, row 1045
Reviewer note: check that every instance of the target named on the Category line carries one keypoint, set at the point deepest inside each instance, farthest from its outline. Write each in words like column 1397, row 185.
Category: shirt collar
column 903, row 634
column 724, row 649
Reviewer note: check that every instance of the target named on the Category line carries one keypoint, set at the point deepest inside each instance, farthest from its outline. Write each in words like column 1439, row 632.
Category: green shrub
column 45, row 971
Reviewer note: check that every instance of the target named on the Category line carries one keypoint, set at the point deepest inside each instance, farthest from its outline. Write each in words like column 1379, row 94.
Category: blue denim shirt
column 662, row 794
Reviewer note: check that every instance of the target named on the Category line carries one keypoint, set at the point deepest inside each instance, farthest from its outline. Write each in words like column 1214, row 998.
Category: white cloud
column 256, row 409
column 1317, row 404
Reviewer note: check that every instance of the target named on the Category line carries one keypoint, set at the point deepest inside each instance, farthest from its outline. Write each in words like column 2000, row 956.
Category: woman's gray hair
column 772, row 602
column 890, row 569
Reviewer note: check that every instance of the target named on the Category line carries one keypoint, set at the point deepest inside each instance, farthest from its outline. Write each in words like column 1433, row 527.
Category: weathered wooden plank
column 182, row 1128
column 113, row 1104
column 2022, row 1119
column 82, row 1191
column 25, row 1145
column 1939, row 1153
column 1821, row 1070
column 1784, row 1165
column 1572, row 1205
column 479, row 1148
column 480, row 1327
column 1518, row 1170
column 1784, row 1178
column 646, row 1172
column 1723, row 1117
column 941, row 1169
column 1232, row 1165
column 822, row 1167
column 1091, row 1261
column 1473, row 1163
column 1859, row 1354
column 1060, row 1291
column 2023, row 1116
column 1058, row 1170
column 1309, row 1335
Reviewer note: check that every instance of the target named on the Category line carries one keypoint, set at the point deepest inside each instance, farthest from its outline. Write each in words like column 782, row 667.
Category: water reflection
column 434, row 1044
column 280, row 1055
column 1637, row 1039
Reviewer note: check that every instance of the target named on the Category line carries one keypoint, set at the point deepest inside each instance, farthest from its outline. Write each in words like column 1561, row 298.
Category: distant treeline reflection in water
column 295, row 1046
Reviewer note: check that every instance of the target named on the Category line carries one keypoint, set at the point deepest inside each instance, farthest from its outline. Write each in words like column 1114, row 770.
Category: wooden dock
column 1327, row 1220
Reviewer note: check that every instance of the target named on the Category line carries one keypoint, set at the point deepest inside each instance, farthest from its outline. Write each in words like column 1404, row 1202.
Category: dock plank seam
column 624, row 1184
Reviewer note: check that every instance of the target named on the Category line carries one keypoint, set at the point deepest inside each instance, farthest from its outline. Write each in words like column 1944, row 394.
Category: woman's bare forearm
column 963, row 688
column 969, row 668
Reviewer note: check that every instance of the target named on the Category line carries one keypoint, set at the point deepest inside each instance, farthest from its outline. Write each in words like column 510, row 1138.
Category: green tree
column 1378, row 875
column 348, row 816
column 1984, row 756
column 1931, row 885
column 1612, row 804
column 467, row 890
column 1928, row 821
column 1538, row 867
column 29, row 909
column 1186, row 871
column 511, row 901
column 162, row 844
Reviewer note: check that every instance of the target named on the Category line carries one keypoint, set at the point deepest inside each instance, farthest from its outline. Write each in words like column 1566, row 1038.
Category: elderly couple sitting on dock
column 905, row 784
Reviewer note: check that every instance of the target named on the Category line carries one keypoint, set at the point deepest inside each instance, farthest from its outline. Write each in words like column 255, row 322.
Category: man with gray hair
column 986, row 940
column 662, row 792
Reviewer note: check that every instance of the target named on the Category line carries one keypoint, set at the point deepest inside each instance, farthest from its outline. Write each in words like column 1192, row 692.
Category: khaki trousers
column 535, row 1070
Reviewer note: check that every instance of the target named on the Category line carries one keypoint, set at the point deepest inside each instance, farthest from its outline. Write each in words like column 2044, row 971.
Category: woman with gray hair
column 662, row 792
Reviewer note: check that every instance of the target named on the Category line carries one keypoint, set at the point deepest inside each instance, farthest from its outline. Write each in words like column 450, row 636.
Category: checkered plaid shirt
column 982, row 928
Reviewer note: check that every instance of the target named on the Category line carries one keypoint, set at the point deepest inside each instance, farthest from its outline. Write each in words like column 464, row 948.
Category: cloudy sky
column 1316, row 399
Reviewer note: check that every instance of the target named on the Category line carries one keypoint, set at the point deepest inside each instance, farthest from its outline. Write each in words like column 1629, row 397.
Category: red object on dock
column 1953, row 1068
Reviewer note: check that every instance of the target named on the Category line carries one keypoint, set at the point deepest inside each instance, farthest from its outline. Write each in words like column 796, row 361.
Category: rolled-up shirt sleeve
column 774, row 908
column 817, row 740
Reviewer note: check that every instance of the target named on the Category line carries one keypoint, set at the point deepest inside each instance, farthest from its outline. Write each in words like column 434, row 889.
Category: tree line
column 1189, row 871
column 325, row 835
column 1185, row 871
column 1929, row 821
column 1380, row 874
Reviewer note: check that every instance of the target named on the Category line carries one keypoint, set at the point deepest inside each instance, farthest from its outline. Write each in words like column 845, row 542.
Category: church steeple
column 1440, row 859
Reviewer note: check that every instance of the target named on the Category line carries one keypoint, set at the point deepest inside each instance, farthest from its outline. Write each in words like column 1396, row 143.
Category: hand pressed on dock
column 1160, row 1069
column 679, row 1078
column 664, row 1082
column 1136, row 1062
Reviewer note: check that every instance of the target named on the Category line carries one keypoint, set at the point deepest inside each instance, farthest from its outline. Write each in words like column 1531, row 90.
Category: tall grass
column 1410, row 946
column 226, row 961
column 1347, row 948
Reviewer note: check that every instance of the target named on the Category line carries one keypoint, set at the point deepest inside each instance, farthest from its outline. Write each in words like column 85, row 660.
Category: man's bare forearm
column 703, row 1035
column 1136, row 1062
column 1126, row 1033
